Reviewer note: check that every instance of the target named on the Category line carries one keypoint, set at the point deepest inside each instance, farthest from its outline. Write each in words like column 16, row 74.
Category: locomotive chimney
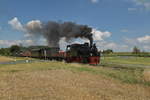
column 91, row 43
column 91, row 40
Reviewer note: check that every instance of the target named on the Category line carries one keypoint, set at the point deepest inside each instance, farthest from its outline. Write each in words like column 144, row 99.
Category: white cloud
column 27, row 28
column 8, row 43
column 15, row 23
column 144, row 3
column 29, row 42
column 103, row 45
column 27, row 35
column 146, row 47
column 99, row 35
column 131, row 41
column 132, row 9
column 109, row 45
column 142, row 42
column 33, row 25
column 94, row 1
column 145, row 39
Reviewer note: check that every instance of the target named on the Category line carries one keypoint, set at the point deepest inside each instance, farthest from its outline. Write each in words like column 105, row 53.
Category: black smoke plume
column 54, row 31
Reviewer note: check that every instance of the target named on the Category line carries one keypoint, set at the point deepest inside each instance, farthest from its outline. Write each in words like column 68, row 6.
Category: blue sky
column 128, row 21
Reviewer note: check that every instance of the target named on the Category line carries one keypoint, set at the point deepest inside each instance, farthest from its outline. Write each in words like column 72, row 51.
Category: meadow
column 5, row 59
column 113, row 79
column 128, row 60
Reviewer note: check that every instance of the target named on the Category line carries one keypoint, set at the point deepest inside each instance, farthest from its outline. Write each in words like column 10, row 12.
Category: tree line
column 135, row 52
column 11, row 51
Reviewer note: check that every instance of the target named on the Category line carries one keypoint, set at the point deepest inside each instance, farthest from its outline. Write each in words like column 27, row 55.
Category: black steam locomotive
column 82, row 53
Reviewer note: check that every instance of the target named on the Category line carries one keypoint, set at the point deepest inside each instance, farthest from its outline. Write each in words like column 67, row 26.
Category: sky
column 117, row 24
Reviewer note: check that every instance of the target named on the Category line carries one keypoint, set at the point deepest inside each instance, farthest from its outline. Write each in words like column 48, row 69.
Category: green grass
column 141, row 54
column 127, row 60
column 134, row 76
column 127, row 69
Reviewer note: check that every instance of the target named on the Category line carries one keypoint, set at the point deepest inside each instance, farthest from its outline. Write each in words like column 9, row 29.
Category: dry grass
column 8, row 59
column 53, row 81
column 5, row 59
column 146, row 75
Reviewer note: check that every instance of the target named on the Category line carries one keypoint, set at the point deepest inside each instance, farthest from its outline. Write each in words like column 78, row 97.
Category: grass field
column 5, row 59
column 9, row 59
column 142, row 64
column 61, row 81
column 140, row 61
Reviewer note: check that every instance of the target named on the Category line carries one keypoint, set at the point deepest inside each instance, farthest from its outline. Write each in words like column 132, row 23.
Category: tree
column 14, row 49
column 108, row 51
column 136, row 50
column 5, row 51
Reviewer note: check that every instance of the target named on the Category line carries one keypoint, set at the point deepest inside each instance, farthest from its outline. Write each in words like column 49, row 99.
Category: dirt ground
column 67, row 85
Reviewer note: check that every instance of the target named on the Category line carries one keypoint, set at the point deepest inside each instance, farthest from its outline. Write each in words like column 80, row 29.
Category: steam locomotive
column 82, row 53
column 79, row 53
